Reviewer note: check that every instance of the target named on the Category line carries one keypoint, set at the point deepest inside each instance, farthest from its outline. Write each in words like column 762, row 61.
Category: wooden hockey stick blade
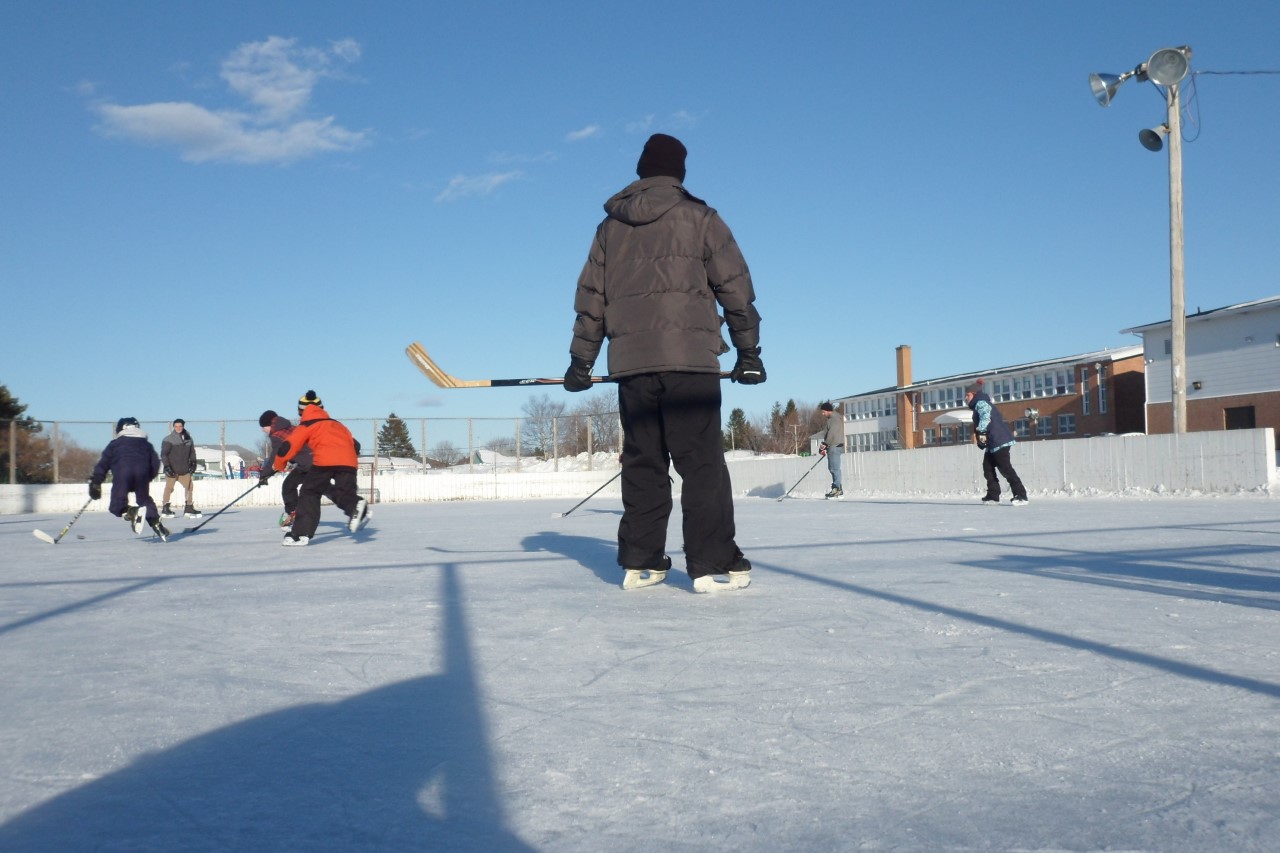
column 418, row 355
column 44, row 537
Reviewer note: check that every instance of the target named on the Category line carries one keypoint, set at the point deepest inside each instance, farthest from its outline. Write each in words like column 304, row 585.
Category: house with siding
column 1232, row 368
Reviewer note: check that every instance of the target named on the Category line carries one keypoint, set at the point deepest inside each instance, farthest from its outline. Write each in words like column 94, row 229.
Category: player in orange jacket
column 335, row 457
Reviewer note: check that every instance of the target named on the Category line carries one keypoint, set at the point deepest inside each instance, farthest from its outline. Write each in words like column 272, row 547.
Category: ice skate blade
column 713, row 583
column 640, row 578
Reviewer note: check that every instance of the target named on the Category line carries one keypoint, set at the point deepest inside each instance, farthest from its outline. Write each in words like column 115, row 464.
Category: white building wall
column 1229, row 355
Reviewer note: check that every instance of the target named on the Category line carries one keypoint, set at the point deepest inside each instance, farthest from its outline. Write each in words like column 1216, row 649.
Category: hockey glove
column 95, row 490
column 822, row 449
column 168, row 471
column 980, row 438
column 263, row 477
column 750, row 369
column 578, row 376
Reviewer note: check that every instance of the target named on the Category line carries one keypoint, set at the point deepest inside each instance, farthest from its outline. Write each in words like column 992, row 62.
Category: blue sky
column 210, row 208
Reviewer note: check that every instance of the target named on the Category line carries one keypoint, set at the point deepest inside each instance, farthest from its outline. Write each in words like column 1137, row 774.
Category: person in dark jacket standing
column 178, row 458
column 994, row 437
column 132, row 463
column 278, row 429
column 662, row 267
column 335, row 459
column 832, row 447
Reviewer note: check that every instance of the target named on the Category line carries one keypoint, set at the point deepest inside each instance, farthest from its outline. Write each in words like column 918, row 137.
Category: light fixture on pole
column 1166, row 68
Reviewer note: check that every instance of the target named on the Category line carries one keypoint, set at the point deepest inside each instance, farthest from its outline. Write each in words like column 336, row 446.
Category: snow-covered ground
column 903, row 674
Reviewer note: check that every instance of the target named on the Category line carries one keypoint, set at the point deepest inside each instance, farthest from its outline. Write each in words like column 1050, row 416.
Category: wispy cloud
column 677, row 120
column 585, row 133
column 276, row 78
column 463, row 186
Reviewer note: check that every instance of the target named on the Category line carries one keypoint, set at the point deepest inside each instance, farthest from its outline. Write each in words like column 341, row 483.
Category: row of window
column 1021, row 429
column 1029, row 386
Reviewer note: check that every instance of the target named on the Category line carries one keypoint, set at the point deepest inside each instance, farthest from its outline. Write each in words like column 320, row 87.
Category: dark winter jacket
column 987, row 418
column 281, row 429
column 128, row 455
column 178, row 453
column 662, row 267
column 331, row 443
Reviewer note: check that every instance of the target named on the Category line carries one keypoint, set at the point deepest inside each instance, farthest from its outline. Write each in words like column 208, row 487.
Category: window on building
column 1168, row 347
column 1066, row 424
column 1021, row 428
column 1084, row 388
column 1062, row 381
column 1102, row 390
column 947, row 435
column 1044, row 427
column 930, row 436
column 1039, row 385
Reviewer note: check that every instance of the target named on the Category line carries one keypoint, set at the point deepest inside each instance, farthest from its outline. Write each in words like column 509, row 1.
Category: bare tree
column 446, row 454
column 539, row 425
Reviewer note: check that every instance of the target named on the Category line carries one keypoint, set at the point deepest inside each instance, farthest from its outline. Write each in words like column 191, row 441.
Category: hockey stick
column 418, row 355
column 588, row 497
column 219, row 512
column 805, row 474
column 53, row 540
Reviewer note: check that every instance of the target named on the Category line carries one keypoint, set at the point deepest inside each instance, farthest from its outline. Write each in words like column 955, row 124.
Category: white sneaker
column 360, row 517
column 1019, row 501
column 290, row 542
column 722, row 583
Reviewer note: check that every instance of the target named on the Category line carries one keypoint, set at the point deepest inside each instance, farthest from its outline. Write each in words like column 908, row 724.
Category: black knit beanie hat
column 267, row 418
column 662, row 155
column 975, row 388
column 827, row 407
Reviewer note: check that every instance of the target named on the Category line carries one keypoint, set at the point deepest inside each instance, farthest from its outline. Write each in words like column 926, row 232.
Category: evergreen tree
column 11, row 419
column 738, row 435
column 393, row 439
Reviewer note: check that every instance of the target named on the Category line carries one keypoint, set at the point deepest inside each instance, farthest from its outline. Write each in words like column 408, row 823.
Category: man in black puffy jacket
column 662, row 268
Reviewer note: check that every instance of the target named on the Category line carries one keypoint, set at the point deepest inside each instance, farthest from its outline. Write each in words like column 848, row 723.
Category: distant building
column 1232, row 366
column 1076, row 396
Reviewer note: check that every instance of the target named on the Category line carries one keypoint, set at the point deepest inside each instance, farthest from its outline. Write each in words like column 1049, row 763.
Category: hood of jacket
column 646, row 200
column 313, row 413
column 131, row 432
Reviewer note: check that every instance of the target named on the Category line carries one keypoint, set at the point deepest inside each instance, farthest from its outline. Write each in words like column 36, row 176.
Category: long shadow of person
column 403, row 767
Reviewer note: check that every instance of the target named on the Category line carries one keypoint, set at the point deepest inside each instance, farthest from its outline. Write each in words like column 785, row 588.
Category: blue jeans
column 833, row 465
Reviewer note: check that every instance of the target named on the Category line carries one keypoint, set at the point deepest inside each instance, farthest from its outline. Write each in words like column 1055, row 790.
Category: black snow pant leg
column 1004, row 465
column 343, row 491
column 314, row 484
column 989, row 473
column 289, row 488
column 646, row 483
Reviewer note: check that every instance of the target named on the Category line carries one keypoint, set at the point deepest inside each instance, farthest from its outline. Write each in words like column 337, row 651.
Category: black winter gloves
column 95, row 490
column 263, row 477
column 578, row 376
column 980, row 438
column 750, row 369
column 168, row 471
column 822, row 449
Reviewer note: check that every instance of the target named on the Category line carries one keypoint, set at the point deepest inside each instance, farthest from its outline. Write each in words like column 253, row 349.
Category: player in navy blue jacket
column 133, row 463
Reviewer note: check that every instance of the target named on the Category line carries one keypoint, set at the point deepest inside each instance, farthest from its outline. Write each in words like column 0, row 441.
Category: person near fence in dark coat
column 661, row 269
column 993, row 436
column 133, row 463
column 178, row 458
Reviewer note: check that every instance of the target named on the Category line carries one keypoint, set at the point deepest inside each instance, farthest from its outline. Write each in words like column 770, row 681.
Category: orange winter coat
column 331, row 443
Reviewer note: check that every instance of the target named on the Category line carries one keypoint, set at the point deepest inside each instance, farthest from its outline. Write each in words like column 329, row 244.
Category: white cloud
column 585, row 133
column 276, row 77
column 462, row 186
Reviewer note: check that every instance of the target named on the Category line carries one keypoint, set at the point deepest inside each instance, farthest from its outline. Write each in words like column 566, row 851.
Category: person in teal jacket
column 994, row 437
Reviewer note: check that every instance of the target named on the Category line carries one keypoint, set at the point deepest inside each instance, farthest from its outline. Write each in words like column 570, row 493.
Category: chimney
column 904, row 365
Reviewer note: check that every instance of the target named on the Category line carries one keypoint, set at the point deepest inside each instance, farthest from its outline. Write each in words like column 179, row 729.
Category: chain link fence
column 35, row 451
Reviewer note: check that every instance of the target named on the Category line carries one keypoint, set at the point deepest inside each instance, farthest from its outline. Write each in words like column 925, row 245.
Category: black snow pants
column 337, row 482
column 674, row 418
